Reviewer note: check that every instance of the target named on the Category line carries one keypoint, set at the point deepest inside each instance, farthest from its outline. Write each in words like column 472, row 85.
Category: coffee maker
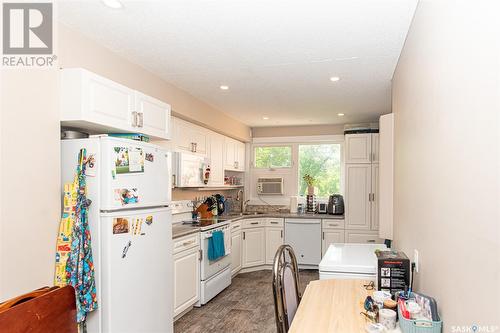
column 336, row 204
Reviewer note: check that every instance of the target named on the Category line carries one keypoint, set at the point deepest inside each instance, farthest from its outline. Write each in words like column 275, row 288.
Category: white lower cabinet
column 274, row 239
column 186, row 273
column 235, row 248
column 254, row 246
column 361, row 236
column 330, row 236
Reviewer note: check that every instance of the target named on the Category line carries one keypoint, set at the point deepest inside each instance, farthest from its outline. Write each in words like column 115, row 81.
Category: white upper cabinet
column 216, row 159
column 229, row 153
column 362, row 148
column 240, row 156
column 99, row 105
column 234, row 155
column 190, row 137
column 153, row 116
column 358, row 148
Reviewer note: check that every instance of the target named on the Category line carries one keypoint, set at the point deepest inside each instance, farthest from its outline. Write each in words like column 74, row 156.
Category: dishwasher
column 304, row 236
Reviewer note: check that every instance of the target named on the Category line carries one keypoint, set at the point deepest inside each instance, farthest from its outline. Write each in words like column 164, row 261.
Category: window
column 273, row 157
column 322, row 162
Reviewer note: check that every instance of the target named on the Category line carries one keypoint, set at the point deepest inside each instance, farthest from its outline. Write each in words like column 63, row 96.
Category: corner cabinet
column 253, row 243
column 99, row 105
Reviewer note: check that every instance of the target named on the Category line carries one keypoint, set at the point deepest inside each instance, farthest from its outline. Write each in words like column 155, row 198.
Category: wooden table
column 332, row 306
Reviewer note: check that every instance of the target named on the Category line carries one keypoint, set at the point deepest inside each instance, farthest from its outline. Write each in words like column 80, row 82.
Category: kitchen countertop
column 179, row 229
column 237, row 216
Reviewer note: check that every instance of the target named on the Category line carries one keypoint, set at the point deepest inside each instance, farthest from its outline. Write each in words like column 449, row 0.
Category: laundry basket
column 419, row 326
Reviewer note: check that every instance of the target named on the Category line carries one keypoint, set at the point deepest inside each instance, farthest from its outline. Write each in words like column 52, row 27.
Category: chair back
column 285, row 287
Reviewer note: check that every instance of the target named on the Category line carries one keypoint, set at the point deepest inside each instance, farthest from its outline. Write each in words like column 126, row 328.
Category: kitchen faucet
column 243, row 203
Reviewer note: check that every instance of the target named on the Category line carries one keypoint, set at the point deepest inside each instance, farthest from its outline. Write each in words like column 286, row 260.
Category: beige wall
column 75, row 50
column 284, row 131
column 29, row 179
column 446, row 104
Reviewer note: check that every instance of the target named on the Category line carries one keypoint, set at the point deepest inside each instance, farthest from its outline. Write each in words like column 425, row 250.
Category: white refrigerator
column 129, row 183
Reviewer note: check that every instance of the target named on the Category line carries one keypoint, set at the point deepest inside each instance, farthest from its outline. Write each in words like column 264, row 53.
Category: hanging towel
column 216, row 246
column 227, row 242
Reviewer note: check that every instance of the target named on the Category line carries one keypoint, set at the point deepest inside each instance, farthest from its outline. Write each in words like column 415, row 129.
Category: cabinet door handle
column 243, row 235
column 373, row 196
column 323, row 235
column 195, row 146
column 333, row 224
column 254, row 222
column 370, row 241
column 274, row 222
column 369, row 197
column 134, row 118
column 141, row 119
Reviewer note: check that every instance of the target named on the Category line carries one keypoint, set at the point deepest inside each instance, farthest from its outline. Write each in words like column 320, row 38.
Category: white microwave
column 188, row 170
column 270, row 186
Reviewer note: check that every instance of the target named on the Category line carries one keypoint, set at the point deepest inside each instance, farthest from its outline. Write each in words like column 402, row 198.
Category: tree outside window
column 273, row 157
column 321, row 161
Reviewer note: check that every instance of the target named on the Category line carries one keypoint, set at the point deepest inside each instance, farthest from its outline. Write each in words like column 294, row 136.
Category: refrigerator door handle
column 125, row 249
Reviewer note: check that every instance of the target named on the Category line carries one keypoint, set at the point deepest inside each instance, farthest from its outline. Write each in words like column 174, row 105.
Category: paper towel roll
column 293, row 204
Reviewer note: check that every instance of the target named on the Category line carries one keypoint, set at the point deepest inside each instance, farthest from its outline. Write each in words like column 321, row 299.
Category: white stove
column 215, row 276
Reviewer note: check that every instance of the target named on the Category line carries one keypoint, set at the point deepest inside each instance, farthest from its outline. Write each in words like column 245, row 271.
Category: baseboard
column 183, row 313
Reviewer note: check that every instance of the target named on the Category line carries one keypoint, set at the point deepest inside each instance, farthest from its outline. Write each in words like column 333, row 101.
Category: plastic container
column 419, row 325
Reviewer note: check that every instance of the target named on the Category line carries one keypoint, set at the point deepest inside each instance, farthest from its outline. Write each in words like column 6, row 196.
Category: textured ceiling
column 275, row 56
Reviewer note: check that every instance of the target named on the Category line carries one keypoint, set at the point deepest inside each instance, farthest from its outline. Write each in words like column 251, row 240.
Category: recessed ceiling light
column 334, row 78
column 340, row 114
column 224, row 87
column 115, row 4
column 265, row 117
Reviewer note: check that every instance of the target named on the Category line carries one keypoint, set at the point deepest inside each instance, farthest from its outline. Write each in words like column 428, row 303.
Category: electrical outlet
column 415, row 260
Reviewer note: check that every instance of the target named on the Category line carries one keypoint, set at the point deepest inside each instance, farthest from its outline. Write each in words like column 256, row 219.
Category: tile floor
column 245, row 306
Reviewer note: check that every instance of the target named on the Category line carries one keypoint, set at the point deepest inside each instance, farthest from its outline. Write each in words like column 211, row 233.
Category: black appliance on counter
column 336, row 205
